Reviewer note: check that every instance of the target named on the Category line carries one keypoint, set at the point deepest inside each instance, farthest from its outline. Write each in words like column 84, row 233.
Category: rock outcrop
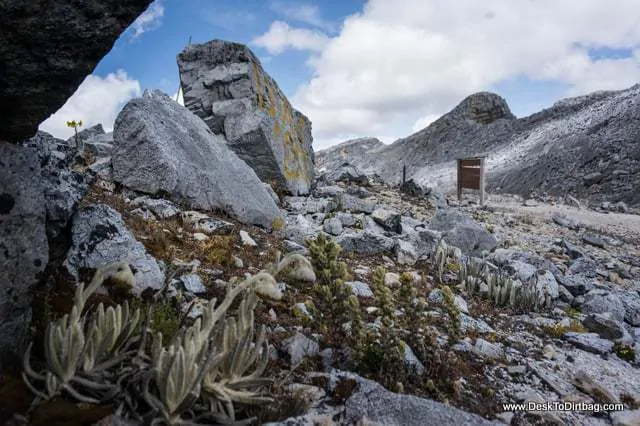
column 161, row 147
column 225, row 85
column 525, row 156
column 24, row 250
column 100, row 237
column 63, row 186
column 47, row 49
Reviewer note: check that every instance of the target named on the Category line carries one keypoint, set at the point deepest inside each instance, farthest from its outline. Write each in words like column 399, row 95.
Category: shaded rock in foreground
column 99, row 237
column 24, row 249
column 161, row 147
column 47, row 49
column 379, row 405
column 225, row 85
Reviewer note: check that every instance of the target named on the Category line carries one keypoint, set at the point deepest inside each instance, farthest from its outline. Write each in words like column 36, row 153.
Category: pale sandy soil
column 625, row 227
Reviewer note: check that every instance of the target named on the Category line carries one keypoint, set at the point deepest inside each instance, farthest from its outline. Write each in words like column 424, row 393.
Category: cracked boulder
column 225, row 85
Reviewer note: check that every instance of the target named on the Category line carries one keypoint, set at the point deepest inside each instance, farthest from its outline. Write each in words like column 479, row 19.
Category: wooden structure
column 471, row 175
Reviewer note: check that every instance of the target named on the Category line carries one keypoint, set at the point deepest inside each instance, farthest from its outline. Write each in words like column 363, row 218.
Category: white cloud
column 149, row 20
column 302, row 12
column 423, row 122
column 400, row 62
column 178, row 97
column 97, row 101
column 281, row 36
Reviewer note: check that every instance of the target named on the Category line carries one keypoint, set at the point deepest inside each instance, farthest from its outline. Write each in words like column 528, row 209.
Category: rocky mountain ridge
column 585, row 147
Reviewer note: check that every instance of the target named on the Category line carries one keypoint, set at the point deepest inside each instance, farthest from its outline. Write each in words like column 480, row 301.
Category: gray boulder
column 94, row 141
column 99, row 237
column 365, row 242
column 388, row 219
column 347, row 173
column 299, row 228
column 589, row 342
column 463, row 232
column 24, row 250
column 601, row 301
column 161, row 147
column 225, row 85
column 298, row 347
column 48, row 48
column 378, row 405
column 355, row 205
column 63, row 187
column 333, row 226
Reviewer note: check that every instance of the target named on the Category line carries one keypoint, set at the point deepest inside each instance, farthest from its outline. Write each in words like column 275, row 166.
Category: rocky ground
column 580, row 348
column 354, row 302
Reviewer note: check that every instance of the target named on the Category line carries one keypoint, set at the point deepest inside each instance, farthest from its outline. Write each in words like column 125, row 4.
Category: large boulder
column 24, row 251
column 47, row 48
column 100, row 237
column 460, row 230
column 224, row 84
column 161, row 147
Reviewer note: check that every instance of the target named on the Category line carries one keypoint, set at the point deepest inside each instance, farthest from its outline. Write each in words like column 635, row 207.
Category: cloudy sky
column 383, row 68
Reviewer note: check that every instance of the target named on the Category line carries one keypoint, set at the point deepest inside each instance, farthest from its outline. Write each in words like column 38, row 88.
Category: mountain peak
column 483, row 108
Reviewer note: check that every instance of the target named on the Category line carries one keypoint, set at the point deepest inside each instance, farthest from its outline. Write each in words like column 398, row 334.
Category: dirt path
column 625, row 227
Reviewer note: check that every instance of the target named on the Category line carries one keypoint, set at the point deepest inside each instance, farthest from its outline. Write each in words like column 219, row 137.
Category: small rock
column 564, row 221
column 517, row 370
column 604, row 325
column 246, row 239
column 391, row 279
column 299, row 347
column 549, row 352
column 505, row 417
column 405, row 253
column 199, row 236
column 485, row 349
column 238, row 262
column 360, row 289
column 621, row 207
column 333, row 226
column 594, row 240
column 572, row 250
column 589, row 342
column 191, row 283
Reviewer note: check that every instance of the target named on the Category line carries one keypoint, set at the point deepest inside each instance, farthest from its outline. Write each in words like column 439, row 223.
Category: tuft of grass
column 625, row 352
column 558, row 330
column 278, row 224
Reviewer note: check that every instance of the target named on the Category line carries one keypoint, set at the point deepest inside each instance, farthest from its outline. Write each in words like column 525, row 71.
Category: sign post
column 471, row 175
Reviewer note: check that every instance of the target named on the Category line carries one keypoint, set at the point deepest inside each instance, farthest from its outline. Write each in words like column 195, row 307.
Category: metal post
column 459, row 176
column 482, row 181
column 404, row 174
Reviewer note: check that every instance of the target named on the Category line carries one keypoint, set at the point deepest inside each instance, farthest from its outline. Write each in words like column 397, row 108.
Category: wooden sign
column 471, row 175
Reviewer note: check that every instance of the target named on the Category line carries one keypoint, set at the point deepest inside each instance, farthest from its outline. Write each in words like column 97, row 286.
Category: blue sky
column 382, row 68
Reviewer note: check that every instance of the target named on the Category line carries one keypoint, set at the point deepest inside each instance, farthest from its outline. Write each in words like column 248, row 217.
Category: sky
column 378, row 68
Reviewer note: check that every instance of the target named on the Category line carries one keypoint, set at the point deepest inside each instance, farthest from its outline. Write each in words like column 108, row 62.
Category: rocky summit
column 584, row 147
column 46, row 50
column 224, row 84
